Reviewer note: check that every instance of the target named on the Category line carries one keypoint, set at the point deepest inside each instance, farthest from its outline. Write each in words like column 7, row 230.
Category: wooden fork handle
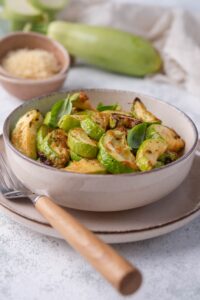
column 118, row 271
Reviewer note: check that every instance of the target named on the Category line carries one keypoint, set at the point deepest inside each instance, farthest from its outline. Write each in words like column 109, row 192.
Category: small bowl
column 104, row 192
column 26, row 89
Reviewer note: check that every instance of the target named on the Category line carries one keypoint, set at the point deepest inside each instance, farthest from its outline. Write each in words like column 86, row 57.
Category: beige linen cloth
column 175, row 33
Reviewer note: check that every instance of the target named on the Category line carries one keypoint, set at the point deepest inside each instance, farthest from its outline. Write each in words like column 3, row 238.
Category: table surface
column 33, row 266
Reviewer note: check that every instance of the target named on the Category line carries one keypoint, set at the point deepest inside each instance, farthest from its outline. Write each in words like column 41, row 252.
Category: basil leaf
column 65, row 109
column 136, row 135
column 54, row 113
column 59, row 109
column 102, row 107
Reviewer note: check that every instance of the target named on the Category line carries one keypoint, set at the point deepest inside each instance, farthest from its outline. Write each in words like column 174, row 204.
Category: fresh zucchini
column 21, row 10
column 49, row 5
column 107, row 48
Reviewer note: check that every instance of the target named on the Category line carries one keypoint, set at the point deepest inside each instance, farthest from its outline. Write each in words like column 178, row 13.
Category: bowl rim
column 65, row 67
column 64, row 92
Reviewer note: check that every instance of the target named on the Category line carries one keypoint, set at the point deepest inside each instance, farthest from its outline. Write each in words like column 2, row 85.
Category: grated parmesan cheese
column 31, row 64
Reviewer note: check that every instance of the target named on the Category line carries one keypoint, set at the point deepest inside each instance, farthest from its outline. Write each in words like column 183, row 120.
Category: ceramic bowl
column 104, row 192
column 26, row 89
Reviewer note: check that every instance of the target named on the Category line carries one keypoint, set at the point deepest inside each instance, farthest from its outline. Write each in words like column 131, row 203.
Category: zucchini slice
column 86, row 166
column 95, row 125
column 24, row 134
column 81, row 101
column 53, row 150
column 149, row 152
column 122, row 120
column 140, row 112
column 174, row 141
column 68, row 122
column 47, row 118
column 41, row 134
column 75, row 156
column 168, row 157
column 115, row 153
column 92, row 129
column 81, row 144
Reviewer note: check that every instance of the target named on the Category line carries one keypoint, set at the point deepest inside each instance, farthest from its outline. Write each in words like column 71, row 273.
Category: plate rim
column 108, row 238
column 191, row 213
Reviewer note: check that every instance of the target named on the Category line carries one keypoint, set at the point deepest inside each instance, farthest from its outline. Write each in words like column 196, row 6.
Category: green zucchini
column 140, row 112
column 68, row 122
column 41, row 134
column 49, row 5
column 24, row 135
column 75, row 156
column 107, row 48
column 149, row 152
column 81, row 144
column 86, row 166
column 174, row 141
column 92, row 128
column 115, row 154
column 21, row 10
column 53, row 150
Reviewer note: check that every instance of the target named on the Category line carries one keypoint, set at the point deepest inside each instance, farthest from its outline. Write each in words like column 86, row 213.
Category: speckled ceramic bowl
column 104, row 192
column 26, row 89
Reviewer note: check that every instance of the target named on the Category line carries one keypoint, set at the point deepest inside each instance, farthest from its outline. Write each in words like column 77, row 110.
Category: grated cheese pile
column 31, row 64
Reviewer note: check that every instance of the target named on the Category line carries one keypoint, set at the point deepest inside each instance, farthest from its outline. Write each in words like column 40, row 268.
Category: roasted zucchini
column 81, row 144
column 53, row 150
column 76, row 137
column 95, row 125
column 68, row 122
column 41, row 134
column 75, row 156
column 115, row 153
column 87, row 166
column 122, row 120
column 174, row 141
column 149, row 152
column 139, row 111
column 24, row 134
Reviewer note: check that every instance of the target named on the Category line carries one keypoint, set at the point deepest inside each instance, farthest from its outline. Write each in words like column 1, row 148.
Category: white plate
column 174, row 211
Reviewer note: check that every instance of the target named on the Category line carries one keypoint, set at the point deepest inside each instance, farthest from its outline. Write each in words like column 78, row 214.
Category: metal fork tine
column 2, row 181
column 8, row 174
column 16, row 181
column 10, row 186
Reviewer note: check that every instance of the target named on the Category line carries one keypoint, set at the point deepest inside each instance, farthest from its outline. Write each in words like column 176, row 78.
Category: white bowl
column 104, row 192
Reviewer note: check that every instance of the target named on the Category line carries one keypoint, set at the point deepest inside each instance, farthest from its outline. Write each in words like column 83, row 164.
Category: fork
column 118, row 271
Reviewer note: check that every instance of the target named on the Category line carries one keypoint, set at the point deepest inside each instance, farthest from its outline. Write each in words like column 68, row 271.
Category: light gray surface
column 35, row 267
